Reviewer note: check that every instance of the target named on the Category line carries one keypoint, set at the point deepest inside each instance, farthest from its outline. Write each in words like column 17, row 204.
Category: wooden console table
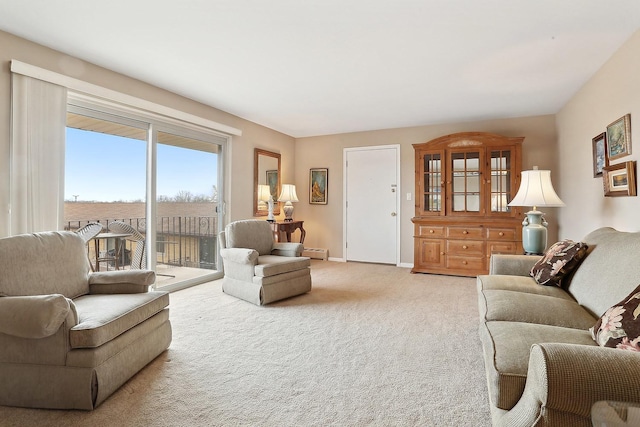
column 287, row 227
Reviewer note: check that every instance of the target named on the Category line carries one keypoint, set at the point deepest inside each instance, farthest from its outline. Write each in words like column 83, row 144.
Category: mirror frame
column 276, row 207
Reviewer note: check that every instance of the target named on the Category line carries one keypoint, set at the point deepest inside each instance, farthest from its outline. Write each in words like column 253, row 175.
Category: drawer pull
column 465, row 247
column 431, row 231
column 501, row 234
column 465, row 232
column 464, row 262
column 441, row 253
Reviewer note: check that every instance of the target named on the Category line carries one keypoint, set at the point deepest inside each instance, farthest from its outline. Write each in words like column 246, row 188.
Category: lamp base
column 534, row 233
column 288, row 211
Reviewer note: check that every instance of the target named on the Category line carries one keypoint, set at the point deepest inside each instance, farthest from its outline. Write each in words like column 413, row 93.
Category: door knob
column 393, row 214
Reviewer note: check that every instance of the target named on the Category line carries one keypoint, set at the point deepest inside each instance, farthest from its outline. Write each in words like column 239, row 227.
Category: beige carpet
column 371, row 345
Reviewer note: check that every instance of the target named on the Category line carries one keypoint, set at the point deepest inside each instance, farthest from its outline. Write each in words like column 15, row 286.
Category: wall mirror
column 266, row 171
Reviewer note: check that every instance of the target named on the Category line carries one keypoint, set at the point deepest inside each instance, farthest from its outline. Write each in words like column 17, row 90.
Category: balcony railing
column 181, row 241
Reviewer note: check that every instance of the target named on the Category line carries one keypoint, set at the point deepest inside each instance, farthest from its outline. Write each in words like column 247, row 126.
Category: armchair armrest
column 287, row 249
column 35, row 317
column 240, row 255
column 568, row 379
column 514, row 265
column 121, row 281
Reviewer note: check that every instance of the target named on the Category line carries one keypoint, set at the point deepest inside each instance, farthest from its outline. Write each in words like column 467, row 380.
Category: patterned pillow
column 559, row 260
column 619, row 327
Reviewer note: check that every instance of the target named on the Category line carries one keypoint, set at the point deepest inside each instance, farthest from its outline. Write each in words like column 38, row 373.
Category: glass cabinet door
column 466, row 181
column 501, row 191
column 432, row 182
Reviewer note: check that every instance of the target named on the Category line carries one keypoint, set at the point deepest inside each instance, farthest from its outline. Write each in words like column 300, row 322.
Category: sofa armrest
column 36, row 316
column 513, row 265
column 287, row 249
column 565, row 380
column 121, row 281
column 240, row 255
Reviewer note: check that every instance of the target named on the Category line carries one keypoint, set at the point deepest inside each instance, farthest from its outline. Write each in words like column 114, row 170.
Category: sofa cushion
column 531, row 308
column 103, row 317
column 619, row 326
column 524, row 284
column 270, row 265
column 506, row 347
column 558, row 261
column 607, row 274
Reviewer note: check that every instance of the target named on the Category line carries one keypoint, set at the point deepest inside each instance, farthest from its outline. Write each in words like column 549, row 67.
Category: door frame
column 345, row 151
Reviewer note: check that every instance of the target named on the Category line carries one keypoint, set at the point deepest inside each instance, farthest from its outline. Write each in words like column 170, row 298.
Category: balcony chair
column 139, row 260
column 69, row 338
column 259, row 270
column 88, row 232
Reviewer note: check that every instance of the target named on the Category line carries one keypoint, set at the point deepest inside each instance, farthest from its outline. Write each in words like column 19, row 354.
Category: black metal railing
column 181, row 241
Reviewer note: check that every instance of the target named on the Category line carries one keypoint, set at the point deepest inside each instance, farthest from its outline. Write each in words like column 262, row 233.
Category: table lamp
column 264, row 196
column 535, row 190
column 288, row 195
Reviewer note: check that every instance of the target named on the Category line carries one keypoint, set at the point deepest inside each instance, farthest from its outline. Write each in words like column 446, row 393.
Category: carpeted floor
column 370, row 345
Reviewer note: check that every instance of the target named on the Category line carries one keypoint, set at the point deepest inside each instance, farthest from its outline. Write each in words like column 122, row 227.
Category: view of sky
column 107, row 168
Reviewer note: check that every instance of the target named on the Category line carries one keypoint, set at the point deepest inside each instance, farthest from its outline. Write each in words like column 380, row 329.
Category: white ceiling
column 313, row 67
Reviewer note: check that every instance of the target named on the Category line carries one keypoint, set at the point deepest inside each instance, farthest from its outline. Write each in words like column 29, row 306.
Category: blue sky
column 107, row 168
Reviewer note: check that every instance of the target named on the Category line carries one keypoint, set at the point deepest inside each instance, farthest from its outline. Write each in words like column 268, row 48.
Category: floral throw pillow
column 558, row 261
column 619, row 327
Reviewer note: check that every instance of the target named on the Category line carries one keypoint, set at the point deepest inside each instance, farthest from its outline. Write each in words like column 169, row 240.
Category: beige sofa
column 69, row 338
column 543, row 367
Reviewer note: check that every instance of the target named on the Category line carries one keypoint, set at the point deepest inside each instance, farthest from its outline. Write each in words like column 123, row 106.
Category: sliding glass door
column 161, row 178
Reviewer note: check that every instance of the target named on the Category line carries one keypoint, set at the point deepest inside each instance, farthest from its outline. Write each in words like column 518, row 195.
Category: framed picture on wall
column 600, row 158
column 318, row 186
column 620, row 179
column 619, row 138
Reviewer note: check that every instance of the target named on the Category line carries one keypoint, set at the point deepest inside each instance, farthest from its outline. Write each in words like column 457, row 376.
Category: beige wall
column 324, row 223
column 239, row 190
column 610, row 94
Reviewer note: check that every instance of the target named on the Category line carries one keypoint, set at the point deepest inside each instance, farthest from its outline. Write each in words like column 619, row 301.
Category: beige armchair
column 69, row 338
column 258, row 269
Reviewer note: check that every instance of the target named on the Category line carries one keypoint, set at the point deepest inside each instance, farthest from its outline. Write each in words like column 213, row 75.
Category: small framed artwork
column 272, row 181
column 318, row 186
column 620, row 179
column 619, row 138
column 600, row 158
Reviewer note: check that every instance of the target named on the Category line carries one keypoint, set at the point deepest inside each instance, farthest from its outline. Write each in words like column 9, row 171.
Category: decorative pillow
column 558, row 261
column 619, row 327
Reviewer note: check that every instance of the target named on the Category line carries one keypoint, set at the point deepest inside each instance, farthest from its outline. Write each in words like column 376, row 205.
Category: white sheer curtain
column 38, row 121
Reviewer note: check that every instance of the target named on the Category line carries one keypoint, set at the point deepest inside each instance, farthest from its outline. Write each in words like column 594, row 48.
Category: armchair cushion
column 270, row 265
column 250, row 234
column 33, row 317
column 101, row 318
column 121, row 281
column 240, row 255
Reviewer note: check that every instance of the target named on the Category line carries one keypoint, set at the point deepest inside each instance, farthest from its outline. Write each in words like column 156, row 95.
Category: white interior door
column 371, row 204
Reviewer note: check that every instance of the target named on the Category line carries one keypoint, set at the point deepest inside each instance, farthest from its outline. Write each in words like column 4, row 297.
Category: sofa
column 542, row 362
column 69, row 338
column 258, row 269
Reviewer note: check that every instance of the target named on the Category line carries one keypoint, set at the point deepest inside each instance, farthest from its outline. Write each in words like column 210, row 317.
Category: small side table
column 287, row 227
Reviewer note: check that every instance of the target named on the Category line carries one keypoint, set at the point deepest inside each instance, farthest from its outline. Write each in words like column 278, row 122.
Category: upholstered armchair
column 258, row 269
column 69, row 338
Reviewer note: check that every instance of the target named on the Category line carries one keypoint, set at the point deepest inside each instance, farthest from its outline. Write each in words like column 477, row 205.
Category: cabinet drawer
column 502, row 248
column 462, row 263
column 465, row 247
column 501, row 233
column 430, row 231
column 465, row 232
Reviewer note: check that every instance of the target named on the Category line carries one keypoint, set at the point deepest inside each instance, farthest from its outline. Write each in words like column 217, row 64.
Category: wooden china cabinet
column 464, row 182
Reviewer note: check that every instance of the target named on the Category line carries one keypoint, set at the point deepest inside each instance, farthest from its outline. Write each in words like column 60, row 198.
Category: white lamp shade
column 536, row 190
column 264, row 193
column 288, row 193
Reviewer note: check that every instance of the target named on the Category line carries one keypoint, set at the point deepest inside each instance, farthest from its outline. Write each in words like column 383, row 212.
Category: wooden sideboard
column 464, row 183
